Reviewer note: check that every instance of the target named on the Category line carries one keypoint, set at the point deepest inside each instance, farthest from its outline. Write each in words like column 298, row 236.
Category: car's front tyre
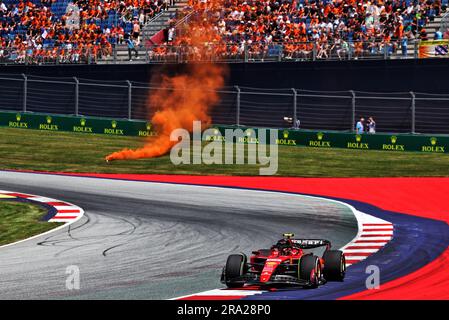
column 235, row 268
column 309, row 269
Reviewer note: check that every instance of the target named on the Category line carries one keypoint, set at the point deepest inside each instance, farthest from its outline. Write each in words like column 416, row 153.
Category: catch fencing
column 149, row 53
column 402, row 112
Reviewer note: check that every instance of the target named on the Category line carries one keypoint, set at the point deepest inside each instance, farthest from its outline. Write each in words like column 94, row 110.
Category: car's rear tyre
column 334, row 265
column 309, row 269
column 235, row 268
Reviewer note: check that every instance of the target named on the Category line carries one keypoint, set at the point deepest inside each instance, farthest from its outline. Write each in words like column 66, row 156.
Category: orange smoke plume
column 189, row 97
column 178, row 108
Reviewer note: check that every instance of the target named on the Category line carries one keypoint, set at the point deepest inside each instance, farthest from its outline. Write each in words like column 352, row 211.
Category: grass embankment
column 19, row 220
column 77, row 152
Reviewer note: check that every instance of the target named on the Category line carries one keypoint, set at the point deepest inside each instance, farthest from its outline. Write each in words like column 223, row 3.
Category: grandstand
column 94, row 31
column 63, row 31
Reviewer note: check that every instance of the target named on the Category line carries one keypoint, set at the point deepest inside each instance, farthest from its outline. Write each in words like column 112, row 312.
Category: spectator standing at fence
column 404, row 46
column 297, row 124
column 136, row 29
column 170, row 34
column 359, row 127
column 423, row 35
column 131, row 48
column 342, row 49
column 371, row 125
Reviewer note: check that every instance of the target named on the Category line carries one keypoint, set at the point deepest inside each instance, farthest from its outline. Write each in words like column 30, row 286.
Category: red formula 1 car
column 286, row 264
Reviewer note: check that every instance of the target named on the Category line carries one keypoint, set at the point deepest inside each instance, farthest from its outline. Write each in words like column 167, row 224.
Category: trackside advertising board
column 54, row 123
column 434, row 49
column 328, row 139
column 307, row 138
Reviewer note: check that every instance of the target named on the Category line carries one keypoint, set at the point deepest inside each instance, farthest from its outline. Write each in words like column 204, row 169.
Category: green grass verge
column 20, row 220
column 77, row 152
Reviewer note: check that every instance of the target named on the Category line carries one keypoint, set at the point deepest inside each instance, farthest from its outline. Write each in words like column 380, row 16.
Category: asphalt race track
column 142, row 240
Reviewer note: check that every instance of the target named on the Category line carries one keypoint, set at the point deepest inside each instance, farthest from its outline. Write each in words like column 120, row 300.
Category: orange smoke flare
column 189, row 97
column 178, row 108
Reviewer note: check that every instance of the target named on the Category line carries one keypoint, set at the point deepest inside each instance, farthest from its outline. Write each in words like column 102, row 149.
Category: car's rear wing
column 311, row 243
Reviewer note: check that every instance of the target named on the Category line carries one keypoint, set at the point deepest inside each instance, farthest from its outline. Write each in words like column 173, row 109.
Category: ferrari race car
column 286, row 264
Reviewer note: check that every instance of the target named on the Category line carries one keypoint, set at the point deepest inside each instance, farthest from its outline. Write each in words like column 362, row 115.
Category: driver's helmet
column 282, row 243
column 285, row 246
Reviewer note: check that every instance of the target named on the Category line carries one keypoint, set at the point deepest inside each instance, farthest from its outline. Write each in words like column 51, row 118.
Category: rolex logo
column 393, row 139
column 358, row 138
column 18, row 117
column 248, row 133
column 83, row 122
column 114, row 124
column 49, row 119
column 320, row 135
column 216, row 131
column 433, row 141
column 285, row 134
column 148, row 126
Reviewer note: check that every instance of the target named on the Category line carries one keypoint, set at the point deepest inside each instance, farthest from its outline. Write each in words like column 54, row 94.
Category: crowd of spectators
column 302, row 28
column 30, row 31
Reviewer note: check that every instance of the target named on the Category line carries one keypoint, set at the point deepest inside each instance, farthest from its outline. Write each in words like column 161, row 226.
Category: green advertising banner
column 290, row 137
column 347, row 140
column 75, row 124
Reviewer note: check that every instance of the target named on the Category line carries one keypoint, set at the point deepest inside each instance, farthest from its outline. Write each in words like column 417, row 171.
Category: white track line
column 75, row 213
column 365, row 238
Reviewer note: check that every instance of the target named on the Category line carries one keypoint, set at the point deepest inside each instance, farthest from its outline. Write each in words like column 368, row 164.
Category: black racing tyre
column 334, row 265
column 308, row 263
column 235, row 267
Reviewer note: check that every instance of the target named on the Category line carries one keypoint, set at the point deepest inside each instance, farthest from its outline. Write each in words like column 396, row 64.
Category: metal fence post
column 353, row 110
column 147, row 56
column 246, row 52
column 129, row 98
column 25, row 92
column 413, row 107
column 295, row 117
column 89, row 56
column 237, row 114
column 415, row 49
column 76, row 95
